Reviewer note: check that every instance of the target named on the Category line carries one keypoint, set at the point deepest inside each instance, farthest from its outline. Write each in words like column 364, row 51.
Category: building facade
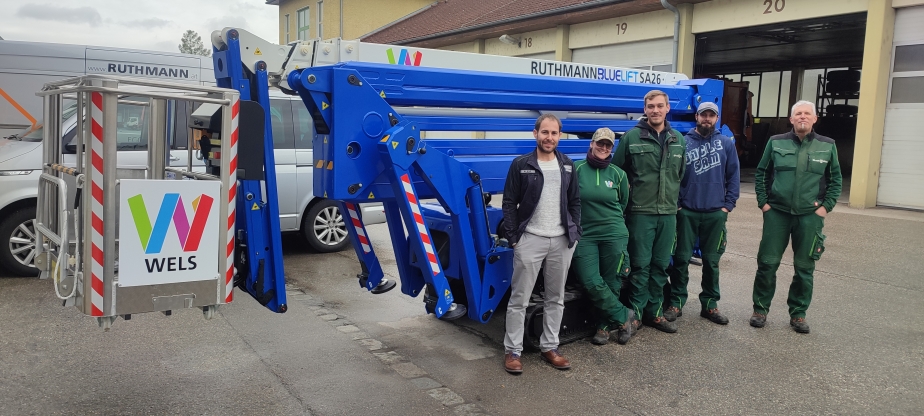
column 860, row 61
column 347, row 19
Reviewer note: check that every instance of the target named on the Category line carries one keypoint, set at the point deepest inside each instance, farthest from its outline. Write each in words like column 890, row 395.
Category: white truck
column 26, row 66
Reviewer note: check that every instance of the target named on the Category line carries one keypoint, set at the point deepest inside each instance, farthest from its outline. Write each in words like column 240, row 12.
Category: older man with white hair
column 798, row 181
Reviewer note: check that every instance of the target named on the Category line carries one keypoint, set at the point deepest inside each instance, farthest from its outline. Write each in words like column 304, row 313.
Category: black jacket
column 522, row 191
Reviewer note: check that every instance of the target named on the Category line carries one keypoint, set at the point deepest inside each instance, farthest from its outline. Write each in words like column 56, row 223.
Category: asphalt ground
column 341, row 350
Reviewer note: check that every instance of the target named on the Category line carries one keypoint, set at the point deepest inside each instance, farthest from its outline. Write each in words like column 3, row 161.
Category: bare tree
column 191, row 43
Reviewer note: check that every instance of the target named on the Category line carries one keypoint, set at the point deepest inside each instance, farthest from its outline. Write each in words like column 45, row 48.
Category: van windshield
column 37, row 132
column 132, row 122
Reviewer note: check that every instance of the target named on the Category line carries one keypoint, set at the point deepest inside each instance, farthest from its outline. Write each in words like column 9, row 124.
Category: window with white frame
column 301, row 22
column 320, row 18
column 907, row 74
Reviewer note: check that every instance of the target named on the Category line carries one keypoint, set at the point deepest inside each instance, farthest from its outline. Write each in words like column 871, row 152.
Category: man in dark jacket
column 798, row 181
column 542, row 217
column 652, row 155
column 708, row 192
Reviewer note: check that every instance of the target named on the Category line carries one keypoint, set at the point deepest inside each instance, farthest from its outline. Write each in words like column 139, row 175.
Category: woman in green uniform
column 600, row 259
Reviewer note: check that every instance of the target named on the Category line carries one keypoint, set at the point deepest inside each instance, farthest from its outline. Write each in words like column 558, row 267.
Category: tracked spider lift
column 370, row 105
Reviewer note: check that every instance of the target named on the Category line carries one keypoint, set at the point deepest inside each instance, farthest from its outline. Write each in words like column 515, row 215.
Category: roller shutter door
column 901, row 173
column 645, row 53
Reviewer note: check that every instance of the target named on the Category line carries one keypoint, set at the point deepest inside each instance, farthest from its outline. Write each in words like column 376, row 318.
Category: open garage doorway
column 769, row 68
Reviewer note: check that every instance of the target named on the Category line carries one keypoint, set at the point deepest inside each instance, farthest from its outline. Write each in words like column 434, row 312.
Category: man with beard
column 708, row 192
column 652, row 155
column 542, row 222
column 798, row 181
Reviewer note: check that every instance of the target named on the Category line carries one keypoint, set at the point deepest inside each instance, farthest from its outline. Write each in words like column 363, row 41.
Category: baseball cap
column 604, row 133
column 707, row 106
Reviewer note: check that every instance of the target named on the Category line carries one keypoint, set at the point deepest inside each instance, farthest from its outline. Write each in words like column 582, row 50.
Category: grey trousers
column 528, row 257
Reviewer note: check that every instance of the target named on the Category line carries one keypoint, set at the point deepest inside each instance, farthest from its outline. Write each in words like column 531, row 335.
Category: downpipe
column 671, row 7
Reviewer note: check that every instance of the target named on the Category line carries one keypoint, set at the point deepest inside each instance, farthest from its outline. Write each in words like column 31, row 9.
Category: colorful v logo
column 171, row 209
column 404, row 59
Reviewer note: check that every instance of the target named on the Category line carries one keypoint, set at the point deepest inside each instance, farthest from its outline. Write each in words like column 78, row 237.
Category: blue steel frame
column 257, row 220
column 364, row 148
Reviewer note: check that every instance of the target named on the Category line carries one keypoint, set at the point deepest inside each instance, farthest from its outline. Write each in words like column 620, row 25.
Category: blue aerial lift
column 258, row 239
column 369, row 116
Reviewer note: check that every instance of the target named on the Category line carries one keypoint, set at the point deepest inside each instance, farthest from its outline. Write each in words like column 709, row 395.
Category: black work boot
column 758, row 320
column 672, row 313
column 602, row 337
column 799, row 325
column 714, row 315
column 662, row 324
column 627, row 330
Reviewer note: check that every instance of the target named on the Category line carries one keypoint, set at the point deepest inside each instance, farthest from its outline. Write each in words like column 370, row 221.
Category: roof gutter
column 567, row 9
column 671, row 7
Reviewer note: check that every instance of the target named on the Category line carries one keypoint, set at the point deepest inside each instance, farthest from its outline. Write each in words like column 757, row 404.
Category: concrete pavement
column 865, row 353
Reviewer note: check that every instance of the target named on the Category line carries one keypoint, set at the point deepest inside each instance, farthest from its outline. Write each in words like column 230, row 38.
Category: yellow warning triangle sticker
column 382, row 94
column 325, row 194
column 255, row 207
column 324, row 105
column 371, row 196
column 394, row 145
column 257, row 52
column 325, row 139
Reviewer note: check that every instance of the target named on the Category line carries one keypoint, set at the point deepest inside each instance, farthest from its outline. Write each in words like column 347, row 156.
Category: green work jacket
column 798, row 176
column 604, row 196
column 654, row 170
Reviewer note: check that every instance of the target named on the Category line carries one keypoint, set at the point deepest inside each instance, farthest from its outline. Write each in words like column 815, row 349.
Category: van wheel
column 17, row 236
column 324, row 227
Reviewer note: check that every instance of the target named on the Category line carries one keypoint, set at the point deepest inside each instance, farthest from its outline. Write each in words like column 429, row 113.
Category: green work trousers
column 651, row 243
column 600, row 266
column 808, row 243
column 709, row 227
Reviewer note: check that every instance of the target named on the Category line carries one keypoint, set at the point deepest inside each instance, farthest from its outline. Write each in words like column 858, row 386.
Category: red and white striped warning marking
column 421, row 227
column 358, row 226
column 96, row 206
column 232, row 194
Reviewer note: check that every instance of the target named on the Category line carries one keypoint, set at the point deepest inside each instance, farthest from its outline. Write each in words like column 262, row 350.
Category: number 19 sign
column 167, row 231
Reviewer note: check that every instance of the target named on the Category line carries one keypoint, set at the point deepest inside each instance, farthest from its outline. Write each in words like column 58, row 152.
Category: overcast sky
column 137, row 24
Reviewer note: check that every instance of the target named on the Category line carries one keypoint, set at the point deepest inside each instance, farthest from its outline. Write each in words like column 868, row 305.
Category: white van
column 26, row 66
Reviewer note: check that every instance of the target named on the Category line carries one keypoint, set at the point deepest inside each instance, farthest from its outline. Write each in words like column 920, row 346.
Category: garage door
column 901, row 178
column 648, row 54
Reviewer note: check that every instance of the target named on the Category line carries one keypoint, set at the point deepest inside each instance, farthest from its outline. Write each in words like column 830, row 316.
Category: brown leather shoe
column 557, row 360
column 512, row 363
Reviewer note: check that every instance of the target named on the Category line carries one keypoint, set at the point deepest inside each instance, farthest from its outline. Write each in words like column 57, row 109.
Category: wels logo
column 609, row 184
column 819, row 161
column 404, row 58
column 171, row 210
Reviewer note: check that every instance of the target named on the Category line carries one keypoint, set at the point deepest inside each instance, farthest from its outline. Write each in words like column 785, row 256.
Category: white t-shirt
column 546, row 220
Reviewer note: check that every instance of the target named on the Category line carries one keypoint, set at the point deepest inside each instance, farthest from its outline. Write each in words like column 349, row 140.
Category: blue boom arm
column 369, row 148
column 259, row 243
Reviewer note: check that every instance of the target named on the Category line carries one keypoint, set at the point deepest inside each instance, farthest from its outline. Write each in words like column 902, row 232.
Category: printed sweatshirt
column 712, row 177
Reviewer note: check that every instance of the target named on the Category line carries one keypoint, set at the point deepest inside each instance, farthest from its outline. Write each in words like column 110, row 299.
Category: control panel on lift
column 207, row 118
